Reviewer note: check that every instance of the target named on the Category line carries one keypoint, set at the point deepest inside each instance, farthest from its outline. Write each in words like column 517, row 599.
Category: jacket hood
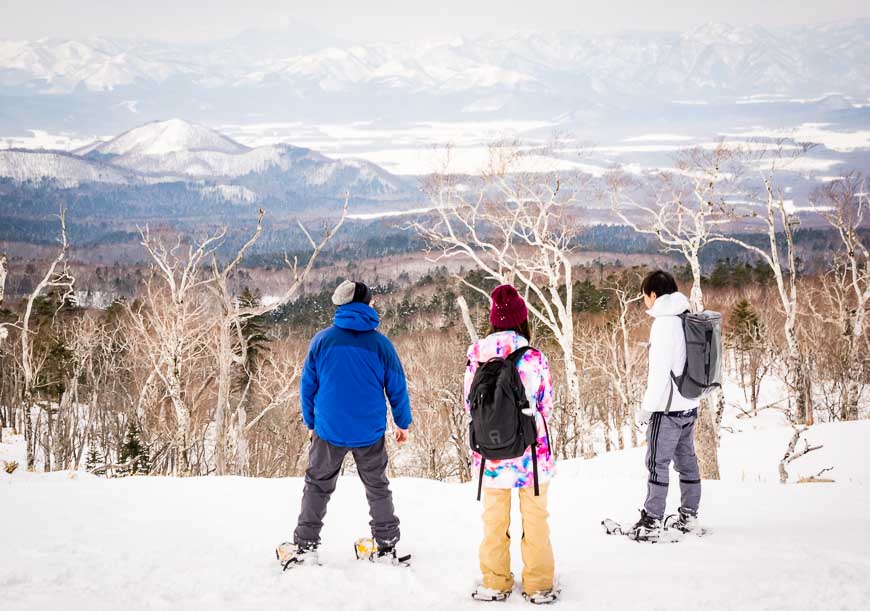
column 670, row 305
column 356, row 316
column 497, row 344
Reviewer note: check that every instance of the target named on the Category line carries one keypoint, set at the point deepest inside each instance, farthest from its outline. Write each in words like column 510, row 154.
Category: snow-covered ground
column 75, row 541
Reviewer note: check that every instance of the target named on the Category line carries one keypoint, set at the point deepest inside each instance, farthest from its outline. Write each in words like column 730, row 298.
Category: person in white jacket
column 670, row 417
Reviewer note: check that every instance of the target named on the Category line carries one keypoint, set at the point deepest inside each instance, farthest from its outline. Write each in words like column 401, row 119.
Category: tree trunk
column 851, row 396
column 28, row 430
column 240, row 445
column 850, row 399
column 706, row 442
column 706, row 439
column 182, row 424
column 223, row 399
column 696, row 297
column 573, row 383
column 797, row 377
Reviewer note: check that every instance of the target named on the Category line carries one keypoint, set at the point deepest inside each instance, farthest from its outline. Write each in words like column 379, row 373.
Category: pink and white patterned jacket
column 534, row 371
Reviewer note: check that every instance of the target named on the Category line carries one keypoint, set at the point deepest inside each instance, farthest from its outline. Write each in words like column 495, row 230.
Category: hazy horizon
column 378, row 20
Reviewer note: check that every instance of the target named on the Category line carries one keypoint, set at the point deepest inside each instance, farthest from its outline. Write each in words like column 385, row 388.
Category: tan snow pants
column 495, row 553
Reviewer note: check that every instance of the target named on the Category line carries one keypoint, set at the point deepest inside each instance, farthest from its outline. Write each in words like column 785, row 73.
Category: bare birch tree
column 779, row 220
column 231, row 349
column 843, row 203
column 518, row 228
column 58, row 277
column 4, row 268
column 612, row 353
column 172, row 324
column 683, row 214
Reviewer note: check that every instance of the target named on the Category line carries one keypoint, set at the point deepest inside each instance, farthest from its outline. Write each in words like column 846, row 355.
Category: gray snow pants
column 324, row 466
column 670, row 438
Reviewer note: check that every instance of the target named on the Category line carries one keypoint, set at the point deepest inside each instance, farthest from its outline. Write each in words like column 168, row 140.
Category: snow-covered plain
column 75, row 541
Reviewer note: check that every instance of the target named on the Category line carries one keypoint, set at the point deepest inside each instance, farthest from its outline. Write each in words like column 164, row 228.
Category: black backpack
column 499, row 428
column 702, row 372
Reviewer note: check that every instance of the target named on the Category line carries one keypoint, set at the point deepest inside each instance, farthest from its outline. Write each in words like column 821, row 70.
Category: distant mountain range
column 300, row 75
column 179, row 151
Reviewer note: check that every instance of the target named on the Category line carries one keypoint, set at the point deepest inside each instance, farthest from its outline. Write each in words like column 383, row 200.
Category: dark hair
column 522, row 329
column 659, row 282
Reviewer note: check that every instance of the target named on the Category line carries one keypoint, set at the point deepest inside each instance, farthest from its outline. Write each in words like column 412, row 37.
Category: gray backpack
column 702, row 372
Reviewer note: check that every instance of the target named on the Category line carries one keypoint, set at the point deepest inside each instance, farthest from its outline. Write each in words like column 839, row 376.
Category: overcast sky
column 370, row 20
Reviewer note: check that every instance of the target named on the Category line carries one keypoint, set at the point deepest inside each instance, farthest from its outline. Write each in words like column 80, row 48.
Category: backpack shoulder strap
column 675, row 380
column 515, row 356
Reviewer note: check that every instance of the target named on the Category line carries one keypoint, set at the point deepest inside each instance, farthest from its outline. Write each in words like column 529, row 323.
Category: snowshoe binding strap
column 544, row 597
column 490, row 596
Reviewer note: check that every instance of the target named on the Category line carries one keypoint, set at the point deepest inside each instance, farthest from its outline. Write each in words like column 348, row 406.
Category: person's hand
column 401, row 436
column 310, row 434
column 643, row 417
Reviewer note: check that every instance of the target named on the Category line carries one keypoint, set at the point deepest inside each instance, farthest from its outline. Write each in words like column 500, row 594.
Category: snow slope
column 65, row 168
column 81, row 542
column 164, row 137
column 178, row 150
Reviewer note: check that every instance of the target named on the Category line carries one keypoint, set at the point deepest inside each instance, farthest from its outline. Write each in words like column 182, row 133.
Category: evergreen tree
column 93, row 460
column 747, row 338
column 253, row 329
column 133, row 449
column 256, row 339
column 746, row 327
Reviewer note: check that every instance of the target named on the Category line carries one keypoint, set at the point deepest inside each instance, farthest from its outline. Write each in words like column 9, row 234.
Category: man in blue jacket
column 349, row 372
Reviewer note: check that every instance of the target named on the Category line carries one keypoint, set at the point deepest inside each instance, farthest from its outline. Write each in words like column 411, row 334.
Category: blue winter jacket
column 348, row 369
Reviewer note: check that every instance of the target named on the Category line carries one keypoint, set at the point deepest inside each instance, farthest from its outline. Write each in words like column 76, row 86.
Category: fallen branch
column 791, row 454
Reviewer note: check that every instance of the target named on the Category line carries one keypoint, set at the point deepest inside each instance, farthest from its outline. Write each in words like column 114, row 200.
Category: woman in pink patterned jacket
column 510, row 331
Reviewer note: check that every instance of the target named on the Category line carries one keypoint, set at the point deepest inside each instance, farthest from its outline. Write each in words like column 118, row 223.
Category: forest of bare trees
column 201, row 377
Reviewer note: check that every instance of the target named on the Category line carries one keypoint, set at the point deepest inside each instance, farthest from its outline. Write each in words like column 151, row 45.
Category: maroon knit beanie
column 508, row 308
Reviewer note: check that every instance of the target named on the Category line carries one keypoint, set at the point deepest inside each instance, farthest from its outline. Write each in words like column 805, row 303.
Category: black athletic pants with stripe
column 670, row 438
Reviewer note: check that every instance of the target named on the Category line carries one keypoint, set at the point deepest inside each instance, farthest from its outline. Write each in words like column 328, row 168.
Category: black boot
column 685, row 520
column 647, row 529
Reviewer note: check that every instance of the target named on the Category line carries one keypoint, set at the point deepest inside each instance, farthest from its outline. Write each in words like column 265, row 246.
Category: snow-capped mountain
column 271, row 75
column 66, row 169
column 164, row 137
column 62, row 66
column 176, row 150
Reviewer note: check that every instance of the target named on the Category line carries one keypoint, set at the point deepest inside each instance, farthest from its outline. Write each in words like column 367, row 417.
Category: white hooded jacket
column 667, row 353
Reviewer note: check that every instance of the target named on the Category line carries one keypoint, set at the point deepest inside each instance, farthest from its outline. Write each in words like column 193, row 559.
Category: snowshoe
column 367, row 548
column 489, row 595
column 646, row 530
column 291, row 555
column 685, row 521
column 544, row 597
column 612, row 527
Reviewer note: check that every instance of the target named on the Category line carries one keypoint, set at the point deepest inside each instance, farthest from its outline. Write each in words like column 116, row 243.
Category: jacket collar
column 669, row 305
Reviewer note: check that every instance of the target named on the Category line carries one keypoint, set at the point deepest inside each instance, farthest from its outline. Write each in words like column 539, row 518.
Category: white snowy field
column 75, row 541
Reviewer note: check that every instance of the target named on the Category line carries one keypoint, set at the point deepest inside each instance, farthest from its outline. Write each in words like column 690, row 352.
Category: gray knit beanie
column 349, row 292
